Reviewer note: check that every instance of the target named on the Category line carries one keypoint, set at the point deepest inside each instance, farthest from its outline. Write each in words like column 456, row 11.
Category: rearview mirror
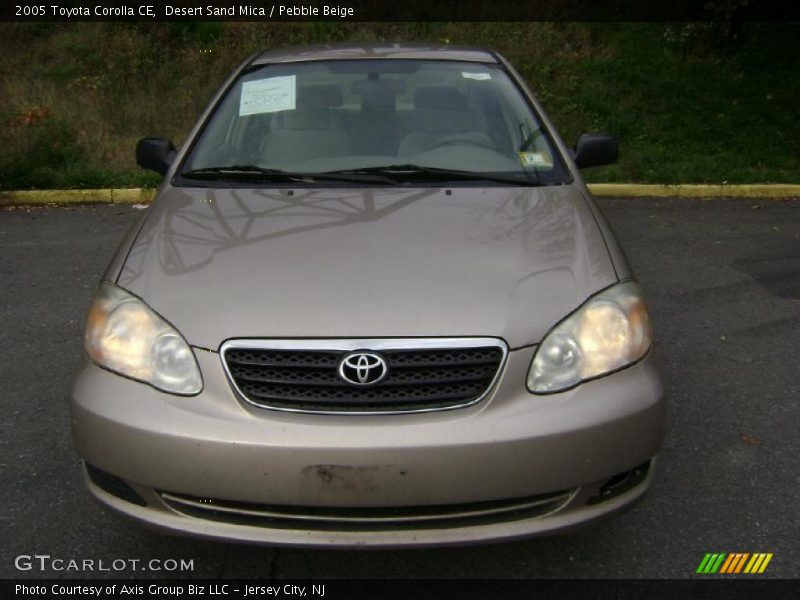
column 595, row 150
column 155, row 154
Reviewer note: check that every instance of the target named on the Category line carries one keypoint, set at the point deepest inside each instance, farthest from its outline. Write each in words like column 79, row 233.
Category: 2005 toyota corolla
column 373, row 304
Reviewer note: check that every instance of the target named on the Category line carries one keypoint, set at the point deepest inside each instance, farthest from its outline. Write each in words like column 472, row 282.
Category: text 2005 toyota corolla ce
column 373, row 303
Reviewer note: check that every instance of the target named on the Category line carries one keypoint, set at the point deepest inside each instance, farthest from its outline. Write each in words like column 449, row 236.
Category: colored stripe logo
column 734, row 563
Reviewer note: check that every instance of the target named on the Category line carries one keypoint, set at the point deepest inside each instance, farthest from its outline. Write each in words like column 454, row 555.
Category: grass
column 685, row 105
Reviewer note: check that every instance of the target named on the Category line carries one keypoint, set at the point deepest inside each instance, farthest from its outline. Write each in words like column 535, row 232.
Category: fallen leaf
column 750, row 440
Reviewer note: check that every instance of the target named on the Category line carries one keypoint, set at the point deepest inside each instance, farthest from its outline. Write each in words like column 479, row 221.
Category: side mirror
column 595, row 150
column 155, row 154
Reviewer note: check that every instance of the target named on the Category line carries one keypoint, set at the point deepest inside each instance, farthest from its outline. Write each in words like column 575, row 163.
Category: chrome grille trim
column 370, row 518
column 368, row 344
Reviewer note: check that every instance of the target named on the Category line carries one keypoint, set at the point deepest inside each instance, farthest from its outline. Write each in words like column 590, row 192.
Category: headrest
column 394, row 87
column 440, row 96
column 317, row 96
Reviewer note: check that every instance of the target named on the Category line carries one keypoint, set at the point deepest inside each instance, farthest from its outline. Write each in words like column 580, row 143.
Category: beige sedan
column 372, row 304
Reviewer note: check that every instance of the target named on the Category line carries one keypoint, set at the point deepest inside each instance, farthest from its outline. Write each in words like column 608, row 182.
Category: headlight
column 126, row 336
column 610, row 331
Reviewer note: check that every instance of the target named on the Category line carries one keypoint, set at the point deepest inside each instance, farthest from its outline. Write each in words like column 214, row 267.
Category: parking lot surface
column 723, row 284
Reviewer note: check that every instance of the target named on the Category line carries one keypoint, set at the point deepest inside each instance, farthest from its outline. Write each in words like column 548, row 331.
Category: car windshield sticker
column 478, row 76
column 268, row 95
column 535, row 159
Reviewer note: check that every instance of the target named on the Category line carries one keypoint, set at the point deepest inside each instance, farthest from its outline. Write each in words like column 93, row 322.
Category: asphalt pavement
column 723, row 283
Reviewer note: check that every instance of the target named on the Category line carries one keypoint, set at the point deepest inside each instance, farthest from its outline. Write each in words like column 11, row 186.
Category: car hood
column 503, row 262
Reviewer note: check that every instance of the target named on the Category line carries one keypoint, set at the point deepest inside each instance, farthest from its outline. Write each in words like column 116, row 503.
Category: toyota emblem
column 362, row 368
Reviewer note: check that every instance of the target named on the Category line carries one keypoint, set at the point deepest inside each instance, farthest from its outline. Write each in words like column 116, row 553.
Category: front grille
column 304, row 375
column 367, row 518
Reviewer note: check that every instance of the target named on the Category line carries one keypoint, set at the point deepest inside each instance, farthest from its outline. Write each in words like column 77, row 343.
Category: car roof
column 374, row 51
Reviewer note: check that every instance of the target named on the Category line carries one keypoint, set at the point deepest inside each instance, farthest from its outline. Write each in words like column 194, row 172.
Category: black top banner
column 415, row 10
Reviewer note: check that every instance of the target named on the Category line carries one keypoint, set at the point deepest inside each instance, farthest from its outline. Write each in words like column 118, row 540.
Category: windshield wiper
column 422, row 172
column 256, row 173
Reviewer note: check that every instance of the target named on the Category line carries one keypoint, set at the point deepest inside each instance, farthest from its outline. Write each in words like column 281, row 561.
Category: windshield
column 387, row 121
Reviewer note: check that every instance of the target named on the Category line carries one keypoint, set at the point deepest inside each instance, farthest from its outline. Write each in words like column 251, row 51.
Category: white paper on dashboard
column 477, row 76
column 268, row 95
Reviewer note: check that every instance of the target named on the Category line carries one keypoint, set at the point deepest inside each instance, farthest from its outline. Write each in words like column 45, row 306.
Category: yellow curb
column 695, row 190
column 624, row 190
column 132, row 195
column 96, row 196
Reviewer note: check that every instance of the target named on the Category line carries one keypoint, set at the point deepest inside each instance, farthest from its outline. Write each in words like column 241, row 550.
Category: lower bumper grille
column 366, row 519
column 113, row 485
column 306, row 375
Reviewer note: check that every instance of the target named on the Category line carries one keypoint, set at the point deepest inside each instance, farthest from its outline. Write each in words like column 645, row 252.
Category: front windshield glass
column 382, row 117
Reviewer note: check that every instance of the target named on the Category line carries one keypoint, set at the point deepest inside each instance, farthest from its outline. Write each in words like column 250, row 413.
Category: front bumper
column 511, row 445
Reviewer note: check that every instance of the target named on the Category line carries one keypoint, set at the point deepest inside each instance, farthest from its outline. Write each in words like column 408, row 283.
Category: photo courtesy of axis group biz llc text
column 170, row 590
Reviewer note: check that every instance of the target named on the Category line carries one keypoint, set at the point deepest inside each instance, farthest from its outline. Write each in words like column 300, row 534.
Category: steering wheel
column 462, row 138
